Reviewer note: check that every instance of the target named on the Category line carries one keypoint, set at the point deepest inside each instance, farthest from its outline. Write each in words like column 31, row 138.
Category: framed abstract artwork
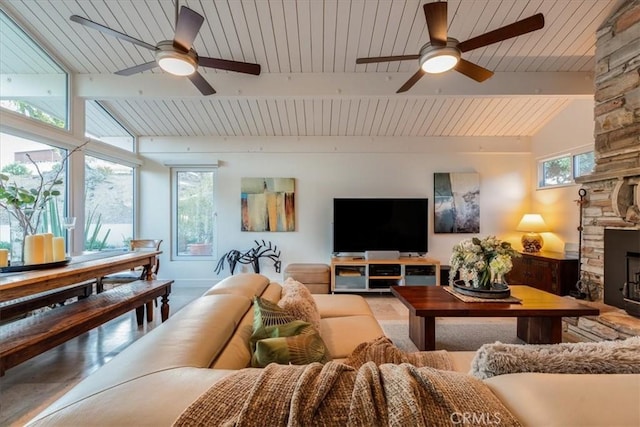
column 456, row 202
column 268, row 204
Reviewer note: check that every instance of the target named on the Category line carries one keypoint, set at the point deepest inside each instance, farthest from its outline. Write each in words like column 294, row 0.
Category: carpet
column 455, row 336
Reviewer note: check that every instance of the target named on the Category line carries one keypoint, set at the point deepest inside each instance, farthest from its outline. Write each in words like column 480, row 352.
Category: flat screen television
column 380, row 224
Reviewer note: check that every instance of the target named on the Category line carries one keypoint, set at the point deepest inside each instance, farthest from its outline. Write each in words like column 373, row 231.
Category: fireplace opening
column 631, row 288
column 622, row 269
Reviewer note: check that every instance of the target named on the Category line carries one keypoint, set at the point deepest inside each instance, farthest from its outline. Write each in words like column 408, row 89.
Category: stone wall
column 613, row 190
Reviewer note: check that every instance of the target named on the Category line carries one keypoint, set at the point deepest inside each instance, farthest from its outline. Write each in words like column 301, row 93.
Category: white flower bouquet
column 481, row 262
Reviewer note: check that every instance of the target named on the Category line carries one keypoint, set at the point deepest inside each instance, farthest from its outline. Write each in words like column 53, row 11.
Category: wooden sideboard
column 549, row 271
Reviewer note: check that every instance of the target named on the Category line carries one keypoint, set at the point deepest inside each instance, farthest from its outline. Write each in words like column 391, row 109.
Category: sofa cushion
column 237, row 354
column 297, row 343
column 178, row 342
column 570, row 399
column 298, row 301
column 343, row 334
column 152, row 400
column 340, row 305
column 246, row 284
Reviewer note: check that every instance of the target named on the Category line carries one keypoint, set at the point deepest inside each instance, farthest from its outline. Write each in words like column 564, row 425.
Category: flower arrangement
column 481, row 262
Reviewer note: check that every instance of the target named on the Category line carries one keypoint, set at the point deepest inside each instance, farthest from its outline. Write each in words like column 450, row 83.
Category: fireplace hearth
column 622, row 269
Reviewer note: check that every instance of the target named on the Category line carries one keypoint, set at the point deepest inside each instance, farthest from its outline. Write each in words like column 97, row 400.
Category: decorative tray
column 43, row 266
column 493, row 293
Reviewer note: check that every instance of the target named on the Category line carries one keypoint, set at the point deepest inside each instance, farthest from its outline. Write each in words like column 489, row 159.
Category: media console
column 356, row 274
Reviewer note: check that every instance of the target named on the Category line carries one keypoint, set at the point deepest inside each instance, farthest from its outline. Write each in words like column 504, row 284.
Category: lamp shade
column 532, row 223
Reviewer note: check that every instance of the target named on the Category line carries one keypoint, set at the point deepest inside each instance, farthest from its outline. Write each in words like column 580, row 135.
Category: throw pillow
column 295, row 327
column 298, row 301
column 606, row 357
column 301, row 349
column 267, row 313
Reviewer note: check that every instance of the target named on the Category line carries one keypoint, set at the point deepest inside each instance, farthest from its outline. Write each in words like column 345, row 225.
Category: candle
column 34, row 249
column 58, row 249
column 4, row 257
column 48, row 247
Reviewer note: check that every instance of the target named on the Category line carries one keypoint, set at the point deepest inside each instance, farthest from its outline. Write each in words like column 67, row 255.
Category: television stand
column 355, row 274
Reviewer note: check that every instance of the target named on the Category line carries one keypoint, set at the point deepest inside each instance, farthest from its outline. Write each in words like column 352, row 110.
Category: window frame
column 69, row 99
column 540, row 185
column 175, row 256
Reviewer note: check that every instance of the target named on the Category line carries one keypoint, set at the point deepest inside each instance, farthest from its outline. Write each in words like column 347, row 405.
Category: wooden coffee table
column 539, row 314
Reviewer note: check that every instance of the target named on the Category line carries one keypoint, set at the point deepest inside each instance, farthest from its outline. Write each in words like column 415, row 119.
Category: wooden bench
column 21, row 306
column 26, row 338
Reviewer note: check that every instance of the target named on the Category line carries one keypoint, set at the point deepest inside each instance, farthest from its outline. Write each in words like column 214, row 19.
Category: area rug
column 455, row 336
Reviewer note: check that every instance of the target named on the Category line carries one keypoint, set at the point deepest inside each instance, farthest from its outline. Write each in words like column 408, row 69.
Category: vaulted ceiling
column 310, row 84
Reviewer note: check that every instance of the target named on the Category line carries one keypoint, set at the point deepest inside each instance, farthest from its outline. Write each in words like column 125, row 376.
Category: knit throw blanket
column 336, row 394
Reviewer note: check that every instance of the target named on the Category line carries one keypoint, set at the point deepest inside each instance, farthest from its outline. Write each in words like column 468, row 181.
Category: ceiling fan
column 443, row 53
column 177, row 56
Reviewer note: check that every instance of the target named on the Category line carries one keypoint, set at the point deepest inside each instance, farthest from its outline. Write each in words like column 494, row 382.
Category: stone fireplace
column 612, row 207
column 613, row 189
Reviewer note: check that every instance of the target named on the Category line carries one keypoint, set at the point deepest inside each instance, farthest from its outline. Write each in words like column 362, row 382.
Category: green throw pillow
column 295, row 350
column 296, row 327
column 267, row 313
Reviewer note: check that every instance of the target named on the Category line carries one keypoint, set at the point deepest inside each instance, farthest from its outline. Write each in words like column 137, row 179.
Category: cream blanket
column 336, row 394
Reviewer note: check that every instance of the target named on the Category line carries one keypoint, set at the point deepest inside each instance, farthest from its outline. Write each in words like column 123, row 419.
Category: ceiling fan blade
column 137, row 69
column 386, row 59
column 225, row 64
column 472, row 70
column 518, row 28
column 413, row 80
column 436, row 15
column 203, row 86
column 111, row 32
column 189, row 23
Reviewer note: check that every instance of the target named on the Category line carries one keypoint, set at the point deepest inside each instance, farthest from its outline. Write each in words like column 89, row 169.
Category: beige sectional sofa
column 156, row 378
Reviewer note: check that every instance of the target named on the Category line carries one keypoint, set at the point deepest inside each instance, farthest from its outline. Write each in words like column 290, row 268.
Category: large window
column 31, row 83
column 34, row 174
column 108, row 204
column 563, row 170
column 101, row 125
column 194, row 215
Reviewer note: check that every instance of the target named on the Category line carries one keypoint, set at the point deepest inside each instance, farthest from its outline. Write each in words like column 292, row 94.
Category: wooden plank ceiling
column 318, row 38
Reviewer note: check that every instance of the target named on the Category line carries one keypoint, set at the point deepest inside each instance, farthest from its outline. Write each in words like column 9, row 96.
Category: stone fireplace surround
column 613, row 189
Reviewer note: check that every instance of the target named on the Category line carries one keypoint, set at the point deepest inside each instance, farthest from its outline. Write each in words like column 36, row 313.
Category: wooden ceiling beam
column 574, row 85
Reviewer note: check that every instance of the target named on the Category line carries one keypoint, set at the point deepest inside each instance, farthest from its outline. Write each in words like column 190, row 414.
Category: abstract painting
column 268, row 204
column 457, row 202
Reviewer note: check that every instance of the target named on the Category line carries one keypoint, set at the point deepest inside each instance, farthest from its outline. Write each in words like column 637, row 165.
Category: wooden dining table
column 14, row 285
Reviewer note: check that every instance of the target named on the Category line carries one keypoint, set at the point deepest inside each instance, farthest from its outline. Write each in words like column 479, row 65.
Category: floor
column 27, row 389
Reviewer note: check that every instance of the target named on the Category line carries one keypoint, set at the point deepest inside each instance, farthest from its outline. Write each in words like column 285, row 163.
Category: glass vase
column 497, row 280
column 17, row 236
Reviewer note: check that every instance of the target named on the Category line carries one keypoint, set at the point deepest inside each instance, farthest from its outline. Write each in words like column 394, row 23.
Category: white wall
column 325, row 168
column 570, row 131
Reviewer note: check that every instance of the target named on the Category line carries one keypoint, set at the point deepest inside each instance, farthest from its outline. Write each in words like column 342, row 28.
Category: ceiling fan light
column 176, row 66
column 439, row 60
column 439, row 63
column 174, row 61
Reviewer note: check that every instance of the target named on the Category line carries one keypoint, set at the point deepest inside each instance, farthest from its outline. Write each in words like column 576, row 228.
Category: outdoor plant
column 93, row 241
column 481, row 262
column 26, row 205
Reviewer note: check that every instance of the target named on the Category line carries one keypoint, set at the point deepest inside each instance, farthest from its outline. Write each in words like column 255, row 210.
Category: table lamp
column 532, row 225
